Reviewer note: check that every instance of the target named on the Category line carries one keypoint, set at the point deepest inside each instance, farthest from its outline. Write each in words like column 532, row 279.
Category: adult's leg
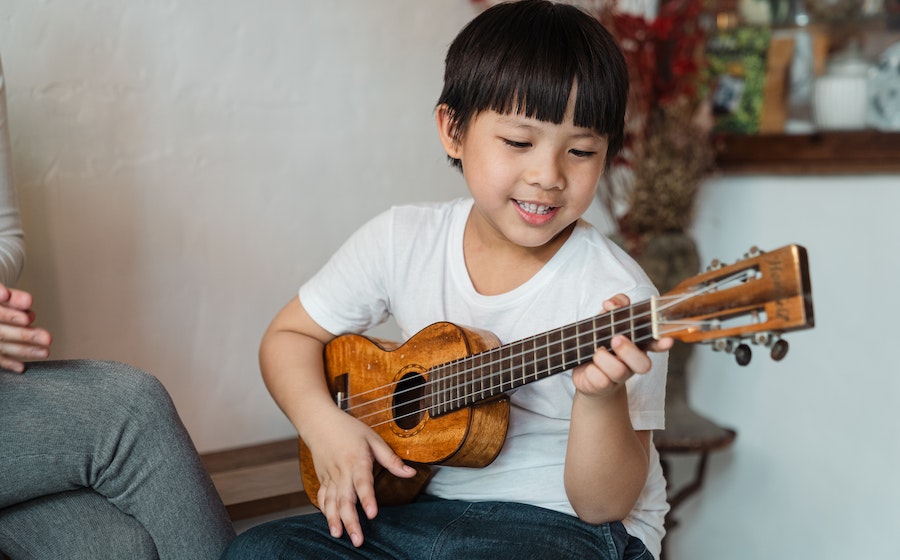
column 444, row 530
column 76, row 524
column 111, row 428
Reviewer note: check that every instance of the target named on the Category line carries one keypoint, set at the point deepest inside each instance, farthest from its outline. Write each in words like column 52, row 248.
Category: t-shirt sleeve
column 349, row 293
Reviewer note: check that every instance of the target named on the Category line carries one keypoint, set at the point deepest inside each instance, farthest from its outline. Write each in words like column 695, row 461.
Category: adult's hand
column 19, row 340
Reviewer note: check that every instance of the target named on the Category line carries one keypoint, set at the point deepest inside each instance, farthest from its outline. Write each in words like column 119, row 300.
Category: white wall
column 183, row 166
column 813, row 472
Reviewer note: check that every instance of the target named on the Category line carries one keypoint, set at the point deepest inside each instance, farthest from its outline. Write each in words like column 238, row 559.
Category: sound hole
column 407, row 406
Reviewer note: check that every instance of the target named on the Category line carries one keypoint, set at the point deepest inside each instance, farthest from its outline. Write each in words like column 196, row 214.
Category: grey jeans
column 95, row 463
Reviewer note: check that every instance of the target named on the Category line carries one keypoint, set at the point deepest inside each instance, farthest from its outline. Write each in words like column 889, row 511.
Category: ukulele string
column 454, row 401
column 450, row 402
column 667, row 301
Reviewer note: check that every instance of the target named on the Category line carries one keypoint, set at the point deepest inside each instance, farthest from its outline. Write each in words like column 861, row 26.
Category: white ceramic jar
column 840, row 95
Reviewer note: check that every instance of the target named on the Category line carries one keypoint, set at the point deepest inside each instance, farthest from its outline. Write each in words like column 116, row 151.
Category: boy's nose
column 546, row 173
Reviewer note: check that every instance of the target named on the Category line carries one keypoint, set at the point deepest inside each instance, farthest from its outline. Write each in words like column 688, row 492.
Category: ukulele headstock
column 753, row 300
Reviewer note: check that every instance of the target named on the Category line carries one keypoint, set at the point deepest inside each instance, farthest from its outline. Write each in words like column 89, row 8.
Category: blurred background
column 184, row 166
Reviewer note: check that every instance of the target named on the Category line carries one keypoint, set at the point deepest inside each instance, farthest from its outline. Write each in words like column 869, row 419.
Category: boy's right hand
column 344, row 457
column 19, row 341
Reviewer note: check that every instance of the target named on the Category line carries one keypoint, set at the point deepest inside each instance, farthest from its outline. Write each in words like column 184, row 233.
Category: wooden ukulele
column 440, row 397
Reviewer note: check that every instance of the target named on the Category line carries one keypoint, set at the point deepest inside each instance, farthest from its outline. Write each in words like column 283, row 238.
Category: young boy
column 531, row 112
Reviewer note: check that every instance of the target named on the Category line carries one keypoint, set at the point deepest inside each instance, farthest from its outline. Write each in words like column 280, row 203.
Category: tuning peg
column 762, row 339
column 715, row 264
column 742, row 354
column 723, row 345
column 779, row 350
column 753, row 252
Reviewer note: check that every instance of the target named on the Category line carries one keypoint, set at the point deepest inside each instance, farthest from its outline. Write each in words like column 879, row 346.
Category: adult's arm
column 12, row 237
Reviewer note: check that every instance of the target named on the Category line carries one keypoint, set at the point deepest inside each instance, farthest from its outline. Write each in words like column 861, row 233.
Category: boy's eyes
column 522, row 145
column 582, row 153
column 515, row 144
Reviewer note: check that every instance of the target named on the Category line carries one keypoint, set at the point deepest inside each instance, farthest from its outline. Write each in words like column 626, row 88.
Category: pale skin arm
column 607, row 461
column 343, row 449
column 19, row 339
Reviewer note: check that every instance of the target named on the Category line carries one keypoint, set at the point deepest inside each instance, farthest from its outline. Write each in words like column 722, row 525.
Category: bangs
column 527, row 62
column 537, row 75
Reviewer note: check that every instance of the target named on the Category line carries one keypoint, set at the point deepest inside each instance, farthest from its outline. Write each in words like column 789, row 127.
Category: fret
column 502, row 372
column 434, row 390
column 478, row 381
column 568, row 348
column 452, row 380
column 509, row 371
column 517, row 365
column 530, row 362
column 545, row 348
column 585, row 341
column 450, row 376
column 577, row 344
column 605, row 333
column 464, row 370
column 493, row 358
column 496, row 372
column 462, row 382
column 488, row 374
column 631, row 321
column 554, row 351
column 445, row 387
column 643, row 333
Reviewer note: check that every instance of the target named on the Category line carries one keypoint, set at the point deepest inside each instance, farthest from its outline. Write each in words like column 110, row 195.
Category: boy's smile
column 536, row 214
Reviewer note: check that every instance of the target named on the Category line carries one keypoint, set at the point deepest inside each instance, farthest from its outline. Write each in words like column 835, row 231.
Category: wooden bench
column 258, row 479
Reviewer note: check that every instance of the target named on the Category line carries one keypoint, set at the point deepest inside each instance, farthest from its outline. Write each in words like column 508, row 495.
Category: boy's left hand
column 608, row 371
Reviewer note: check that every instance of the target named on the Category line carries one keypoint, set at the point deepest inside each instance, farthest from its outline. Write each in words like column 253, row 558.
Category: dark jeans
column 437, row 529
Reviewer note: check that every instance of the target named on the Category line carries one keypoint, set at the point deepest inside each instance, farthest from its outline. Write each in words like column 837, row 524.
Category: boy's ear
column 447, row 131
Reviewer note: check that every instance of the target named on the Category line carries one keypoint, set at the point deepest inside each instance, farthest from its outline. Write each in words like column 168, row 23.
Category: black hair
column 525, row 57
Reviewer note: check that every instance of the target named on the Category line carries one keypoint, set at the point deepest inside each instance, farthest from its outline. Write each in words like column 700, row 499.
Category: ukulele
column 440, row 397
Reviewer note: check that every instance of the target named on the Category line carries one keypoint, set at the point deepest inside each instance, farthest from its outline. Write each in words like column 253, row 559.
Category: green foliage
column 737, row 69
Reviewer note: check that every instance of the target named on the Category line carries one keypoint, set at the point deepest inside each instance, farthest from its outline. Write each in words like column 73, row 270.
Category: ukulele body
column 383, row 385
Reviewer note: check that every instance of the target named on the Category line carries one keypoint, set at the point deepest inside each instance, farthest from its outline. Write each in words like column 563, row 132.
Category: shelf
column 849, row 153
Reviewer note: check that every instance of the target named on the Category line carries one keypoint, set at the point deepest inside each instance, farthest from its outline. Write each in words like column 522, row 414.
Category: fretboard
column 466, row 381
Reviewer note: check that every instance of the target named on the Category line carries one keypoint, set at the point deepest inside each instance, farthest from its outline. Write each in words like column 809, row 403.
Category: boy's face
column 530, row 179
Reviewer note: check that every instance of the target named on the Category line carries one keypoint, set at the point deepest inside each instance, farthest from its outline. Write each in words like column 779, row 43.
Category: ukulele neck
column 478, row 377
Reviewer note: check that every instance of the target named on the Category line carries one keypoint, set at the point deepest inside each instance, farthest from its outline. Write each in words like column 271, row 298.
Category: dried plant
column 652, row 187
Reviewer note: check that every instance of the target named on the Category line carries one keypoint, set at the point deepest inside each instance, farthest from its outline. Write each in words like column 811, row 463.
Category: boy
column 531, row 112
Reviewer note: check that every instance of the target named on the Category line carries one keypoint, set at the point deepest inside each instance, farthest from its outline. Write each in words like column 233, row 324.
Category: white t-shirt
column 408, row 262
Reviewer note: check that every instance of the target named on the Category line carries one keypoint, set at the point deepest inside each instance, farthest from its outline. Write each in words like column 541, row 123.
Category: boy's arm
column 343, row 449
column 607, row 461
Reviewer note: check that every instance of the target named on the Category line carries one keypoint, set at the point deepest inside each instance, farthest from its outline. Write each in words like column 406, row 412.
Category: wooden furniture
column 844, row 152
column 700, row 440
column 259, row 479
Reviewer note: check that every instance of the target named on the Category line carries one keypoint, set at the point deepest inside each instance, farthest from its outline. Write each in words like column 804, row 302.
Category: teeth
column 534, row 208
